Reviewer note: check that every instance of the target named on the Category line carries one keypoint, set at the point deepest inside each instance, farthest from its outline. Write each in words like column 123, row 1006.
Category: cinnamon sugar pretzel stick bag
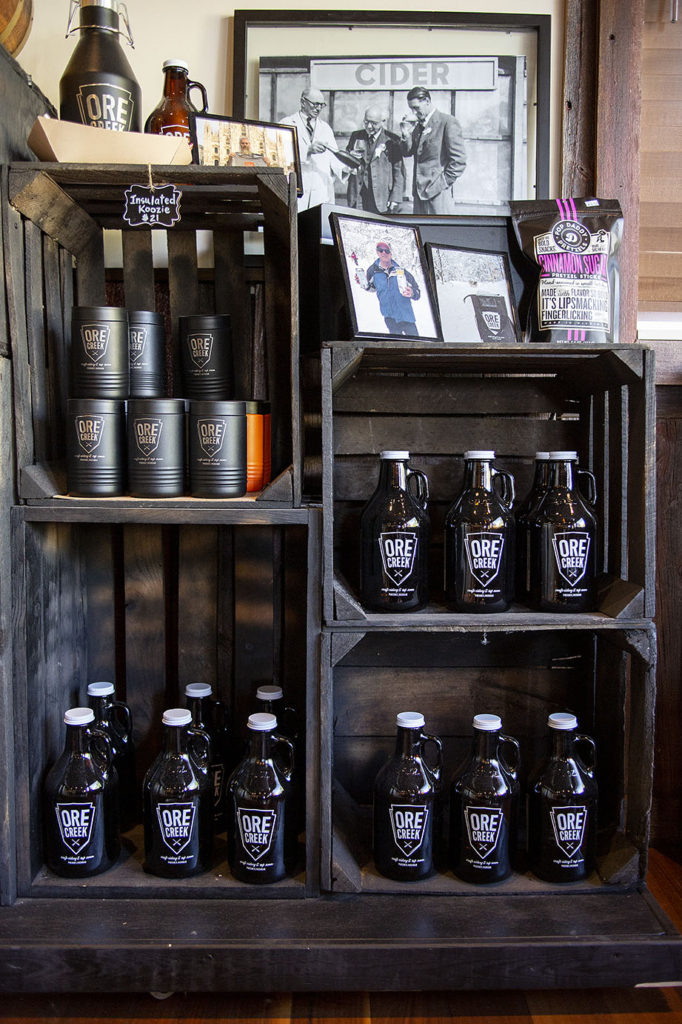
column 573, row 244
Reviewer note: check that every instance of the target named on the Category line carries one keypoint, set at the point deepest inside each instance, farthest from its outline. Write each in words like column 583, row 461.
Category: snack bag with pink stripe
column 573, row 245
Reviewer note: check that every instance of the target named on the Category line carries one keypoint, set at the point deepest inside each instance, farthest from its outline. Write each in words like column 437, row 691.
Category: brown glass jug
column 171, row 115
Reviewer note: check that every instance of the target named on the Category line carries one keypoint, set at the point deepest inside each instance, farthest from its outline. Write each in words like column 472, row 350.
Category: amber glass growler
column 406, row 803
column 81, row 801
column 479, row 539
column 395, row 531
column 562, row 805
column 562, row 539
column 261, row 814
column 484, row 805
column 171, row 115
column 178, row 801
column 115, row 719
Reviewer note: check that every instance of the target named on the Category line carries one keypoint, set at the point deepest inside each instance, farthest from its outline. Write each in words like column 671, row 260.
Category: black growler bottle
column 479, row 539
column 178, row 804
column 562, row 805
column 484, row 805
column 210, row 716
column 261, row 826
column 562, row 537
column 171, row 115
column 406, row 803
column 98, row 87
column 115, row 719
column 395, row 531
column 523, row 510
column 81, row 802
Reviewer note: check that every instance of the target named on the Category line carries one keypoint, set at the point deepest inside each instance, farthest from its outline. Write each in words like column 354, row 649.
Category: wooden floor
column 594, row 1006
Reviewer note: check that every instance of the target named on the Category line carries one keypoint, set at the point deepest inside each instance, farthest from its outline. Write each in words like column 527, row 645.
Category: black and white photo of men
column 378, row 184
column 437, row 146
column 317, row 148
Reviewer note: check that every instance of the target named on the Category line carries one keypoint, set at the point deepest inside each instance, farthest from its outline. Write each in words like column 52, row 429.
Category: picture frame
column 219, row 141
column 264, row 34
column 474, row 294
column 386, row 278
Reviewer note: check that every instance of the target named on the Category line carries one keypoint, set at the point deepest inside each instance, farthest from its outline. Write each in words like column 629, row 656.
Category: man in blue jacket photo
column 396, row 290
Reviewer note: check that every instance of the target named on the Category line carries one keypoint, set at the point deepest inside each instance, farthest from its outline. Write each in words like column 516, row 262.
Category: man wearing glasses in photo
column 396, row 290
column 317, row 146
column 379, row 182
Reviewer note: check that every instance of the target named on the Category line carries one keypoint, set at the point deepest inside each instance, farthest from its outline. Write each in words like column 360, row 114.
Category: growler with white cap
column 171, row 115
column 114, row 717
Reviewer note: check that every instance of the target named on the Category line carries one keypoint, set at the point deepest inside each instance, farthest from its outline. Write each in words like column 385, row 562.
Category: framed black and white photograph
column 386, row 278
column 474, row 295
column 229, row 142
column 444, row 116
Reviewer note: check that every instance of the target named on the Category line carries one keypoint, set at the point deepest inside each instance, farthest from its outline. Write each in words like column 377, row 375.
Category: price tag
column 152, row 206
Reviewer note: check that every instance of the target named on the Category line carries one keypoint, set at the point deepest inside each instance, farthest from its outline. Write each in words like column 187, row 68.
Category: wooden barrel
column 15, row 22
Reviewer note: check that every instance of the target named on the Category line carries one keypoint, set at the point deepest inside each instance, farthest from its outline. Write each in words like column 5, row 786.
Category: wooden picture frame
column 386, row 279
column 240, row 142
column 474, row 294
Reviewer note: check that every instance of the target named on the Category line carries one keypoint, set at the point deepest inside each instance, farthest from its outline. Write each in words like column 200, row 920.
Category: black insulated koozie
column 95, row 447
column 146, row 353
column 156, row 447
column 99, row 352
column 217, row 449
column 206, row 356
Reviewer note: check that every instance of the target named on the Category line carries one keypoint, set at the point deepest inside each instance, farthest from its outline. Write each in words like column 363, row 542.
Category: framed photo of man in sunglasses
column 387, row 283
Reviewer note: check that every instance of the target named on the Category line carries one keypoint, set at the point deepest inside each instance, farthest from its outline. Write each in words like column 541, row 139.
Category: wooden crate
column 55, row 218
column 153, row 602
column 438, row 401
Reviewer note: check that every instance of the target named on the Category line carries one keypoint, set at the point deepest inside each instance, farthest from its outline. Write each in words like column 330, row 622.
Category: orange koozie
column 258, row 459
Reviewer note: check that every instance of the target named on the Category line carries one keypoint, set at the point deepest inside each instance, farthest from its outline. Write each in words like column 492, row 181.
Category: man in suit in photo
column 317, row 147
column 378, row 184
column 439, row 154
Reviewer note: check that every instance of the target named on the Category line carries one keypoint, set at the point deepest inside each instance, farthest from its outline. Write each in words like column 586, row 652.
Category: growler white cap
column 563, row 456
column 262, row 722
column 394, row 455
column 79, row 716
column 410, row 720
column 541, row 456
column 488, row 723
column 479, row 454
column 177, row 716
column 269, row 692
column 175, row 63
column 198, row 690
column 101, row 689
column 562, row 720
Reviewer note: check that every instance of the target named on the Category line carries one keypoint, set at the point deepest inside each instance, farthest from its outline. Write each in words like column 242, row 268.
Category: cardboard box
column 67, row 142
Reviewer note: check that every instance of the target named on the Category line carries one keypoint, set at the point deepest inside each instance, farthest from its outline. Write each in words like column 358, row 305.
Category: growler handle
column 199, row 746
column 204, row 96
column 506, row 491
column 587, row 742
column 434, row 769
column 591, row 494
column 511, row 767
column 422, row 485
column 286, row 765
column 101, row 749
column 122, row 712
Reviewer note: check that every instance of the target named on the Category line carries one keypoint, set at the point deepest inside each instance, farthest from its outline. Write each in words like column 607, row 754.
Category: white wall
column 201, row 33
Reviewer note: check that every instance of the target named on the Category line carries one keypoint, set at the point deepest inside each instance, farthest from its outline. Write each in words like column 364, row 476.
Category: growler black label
column 409, row 824
column 76, row 822
column 211, row 435
column 200, row 348
column 147, row 433
column 568, row 825
column 484, row 556
column 95, row 339
column 571, row 551
column 89, row 431
column 138, row 343
column 483, row 825
column 104, row 105
column 398, row 551
column 256, row 832
column 176, row 827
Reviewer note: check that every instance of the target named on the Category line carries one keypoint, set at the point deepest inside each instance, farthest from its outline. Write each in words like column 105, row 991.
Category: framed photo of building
column 474, row 294
column 386, row 278
column 230, row 142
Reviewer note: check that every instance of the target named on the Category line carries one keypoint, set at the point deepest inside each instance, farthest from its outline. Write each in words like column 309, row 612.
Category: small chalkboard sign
column 149, row 205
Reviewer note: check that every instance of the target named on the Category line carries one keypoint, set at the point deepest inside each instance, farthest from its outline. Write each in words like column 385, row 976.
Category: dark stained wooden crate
column 153, row 601
column 54, row 219
column 438, row 401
